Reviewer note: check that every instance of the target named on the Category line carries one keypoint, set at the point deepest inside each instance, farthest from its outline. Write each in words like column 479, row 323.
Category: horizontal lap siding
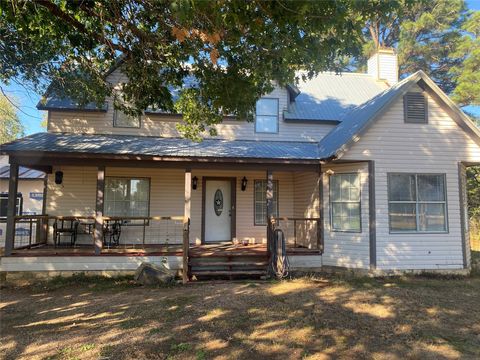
column 165, row 126
column 76, row 196
column 347, row 249
column 436, row 147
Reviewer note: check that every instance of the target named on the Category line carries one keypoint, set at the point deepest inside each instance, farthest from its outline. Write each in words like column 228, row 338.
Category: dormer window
column 415, row 108
column 266, row 116
column 122, row 120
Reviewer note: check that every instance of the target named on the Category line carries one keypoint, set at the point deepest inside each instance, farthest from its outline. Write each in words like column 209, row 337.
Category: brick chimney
column 383, row 65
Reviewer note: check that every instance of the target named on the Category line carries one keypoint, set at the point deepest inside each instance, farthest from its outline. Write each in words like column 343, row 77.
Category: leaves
column 234, row 48
column 10, row 125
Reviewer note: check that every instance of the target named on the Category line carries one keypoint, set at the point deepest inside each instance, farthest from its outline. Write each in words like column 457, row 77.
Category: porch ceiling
column 148, row 147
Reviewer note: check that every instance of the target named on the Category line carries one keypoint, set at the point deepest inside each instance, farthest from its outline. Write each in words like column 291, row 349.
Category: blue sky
column 31, row 117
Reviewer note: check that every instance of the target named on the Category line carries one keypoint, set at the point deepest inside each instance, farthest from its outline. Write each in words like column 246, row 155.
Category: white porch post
column 11, row 209
column 186, row 224
column 98, row 231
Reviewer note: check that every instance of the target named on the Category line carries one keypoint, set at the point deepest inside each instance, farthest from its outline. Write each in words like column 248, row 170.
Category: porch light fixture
column 58, row 177
column 244, row 183
column 194, row 183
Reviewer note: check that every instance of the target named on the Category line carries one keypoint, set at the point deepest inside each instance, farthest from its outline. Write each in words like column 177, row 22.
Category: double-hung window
column 345, row 202
column 417, row 202
column 260, row 205
column 127, row 197
column 266, row 116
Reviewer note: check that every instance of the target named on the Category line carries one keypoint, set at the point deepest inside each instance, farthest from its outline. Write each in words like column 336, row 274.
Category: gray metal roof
column 329, row 96
column 23, row 173
column 357, row 120
column 60, row 102
column 166, row 147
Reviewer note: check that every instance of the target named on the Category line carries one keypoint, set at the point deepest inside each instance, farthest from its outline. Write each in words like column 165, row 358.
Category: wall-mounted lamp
column 330, row 172
column 58, row 177
column 194, row 183
column 244, row 183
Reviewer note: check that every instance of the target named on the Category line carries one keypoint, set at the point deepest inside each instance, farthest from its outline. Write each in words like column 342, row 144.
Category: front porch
column 78, row 225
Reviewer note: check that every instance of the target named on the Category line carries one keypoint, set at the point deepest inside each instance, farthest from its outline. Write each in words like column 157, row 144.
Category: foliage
column 426, row 34
column 234, row 48
column 473, row 188
column 10, row 126
column 467, row 74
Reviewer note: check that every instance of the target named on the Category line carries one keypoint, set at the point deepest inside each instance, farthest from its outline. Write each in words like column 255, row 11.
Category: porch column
column 186, row 223
column 372, row 216
column 98, row 231
column 269, row 199
column 11, row 209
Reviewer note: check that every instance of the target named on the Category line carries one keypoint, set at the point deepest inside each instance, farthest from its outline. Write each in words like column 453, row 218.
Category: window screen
column 266, row 116
column 345, row 202
column 261, row 201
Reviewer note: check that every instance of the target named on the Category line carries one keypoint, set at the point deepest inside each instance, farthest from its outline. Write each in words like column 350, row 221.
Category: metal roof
column 59, row 102
column 329, row 96
column 166, row 147
column 23, row 173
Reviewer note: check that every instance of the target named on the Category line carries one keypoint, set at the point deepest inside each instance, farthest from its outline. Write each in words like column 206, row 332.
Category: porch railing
column 118, row 232
column 300, row 232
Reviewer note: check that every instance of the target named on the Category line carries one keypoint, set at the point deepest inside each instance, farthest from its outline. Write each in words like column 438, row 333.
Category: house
column 359, row 171
column 30, row 196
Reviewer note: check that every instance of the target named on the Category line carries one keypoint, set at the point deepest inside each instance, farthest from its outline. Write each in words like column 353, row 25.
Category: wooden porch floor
column 213, row 250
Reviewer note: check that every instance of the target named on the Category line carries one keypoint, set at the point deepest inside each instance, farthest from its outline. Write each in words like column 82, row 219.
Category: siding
column 165, row 126
column 76, row 196
column 347, row 249
column 436, row 147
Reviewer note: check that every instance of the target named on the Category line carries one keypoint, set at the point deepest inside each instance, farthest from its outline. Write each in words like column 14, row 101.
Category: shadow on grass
column 87, row 317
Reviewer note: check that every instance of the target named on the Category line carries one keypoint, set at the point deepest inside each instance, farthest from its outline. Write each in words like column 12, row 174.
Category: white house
column 359, row 171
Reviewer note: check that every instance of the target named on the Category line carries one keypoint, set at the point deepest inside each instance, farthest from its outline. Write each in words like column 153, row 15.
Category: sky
column 31, row 118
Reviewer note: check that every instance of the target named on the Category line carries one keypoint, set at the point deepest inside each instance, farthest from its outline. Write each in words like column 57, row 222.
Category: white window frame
column 18, row 204
column 263, row 201
column 115, row 116
column 359, row 202
column 129, row 179
column 276, row 116
column 418, row 203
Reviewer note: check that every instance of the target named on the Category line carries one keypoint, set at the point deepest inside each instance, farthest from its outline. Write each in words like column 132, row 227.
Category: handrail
column 297, row 219
column 89, row 217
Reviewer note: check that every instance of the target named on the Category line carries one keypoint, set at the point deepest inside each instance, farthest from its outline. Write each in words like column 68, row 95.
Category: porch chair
column 66, row 228
column 112, row 232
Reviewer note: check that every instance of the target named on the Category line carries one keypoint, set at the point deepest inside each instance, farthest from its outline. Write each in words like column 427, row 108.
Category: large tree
column 10, row 126
column 426, row 36
column 233, row 48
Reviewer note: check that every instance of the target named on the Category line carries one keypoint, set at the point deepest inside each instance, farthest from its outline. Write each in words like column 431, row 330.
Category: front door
column 218, row 210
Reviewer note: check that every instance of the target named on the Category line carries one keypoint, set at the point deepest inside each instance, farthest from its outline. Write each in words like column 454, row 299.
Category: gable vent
column 415, row 108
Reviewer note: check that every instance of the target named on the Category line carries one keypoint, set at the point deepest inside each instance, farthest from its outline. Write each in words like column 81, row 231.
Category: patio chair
column 112, row 232
column 65, row 228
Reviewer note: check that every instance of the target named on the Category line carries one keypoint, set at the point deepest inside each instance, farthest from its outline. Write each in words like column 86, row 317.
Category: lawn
column 306, row 318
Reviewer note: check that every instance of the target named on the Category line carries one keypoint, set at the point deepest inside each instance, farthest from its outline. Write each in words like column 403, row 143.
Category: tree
column 473, row 185
column 10, row 126
column 467, row 74
column 233, row 48
column 426, row 34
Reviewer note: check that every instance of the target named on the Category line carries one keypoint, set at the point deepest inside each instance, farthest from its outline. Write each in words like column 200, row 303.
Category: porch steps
column 228, row 266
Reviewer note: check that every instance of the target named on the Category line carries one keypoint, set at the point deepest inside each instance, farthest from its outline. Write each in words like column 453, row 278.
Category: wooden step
column 227, row 263
column 229, row 273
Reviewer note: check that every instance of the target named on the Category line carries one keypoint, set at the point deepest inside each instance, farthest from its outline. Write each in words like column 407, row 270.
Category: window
column 4, row 204
column 345, row 202
column 126, row 197
column 415, row 108
column 121, row 119
column 261, row 201
column 417, row 202
column 266, row 119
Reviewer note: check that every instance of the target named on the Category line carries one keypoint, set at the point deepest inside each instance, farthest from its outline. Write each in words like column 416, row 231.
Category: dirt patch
column 308, row 318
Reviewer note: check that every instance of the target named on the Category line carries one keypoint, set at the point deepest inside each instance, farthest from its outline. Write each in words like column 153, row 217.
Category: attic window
column 121, row 119
column 415, row 108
